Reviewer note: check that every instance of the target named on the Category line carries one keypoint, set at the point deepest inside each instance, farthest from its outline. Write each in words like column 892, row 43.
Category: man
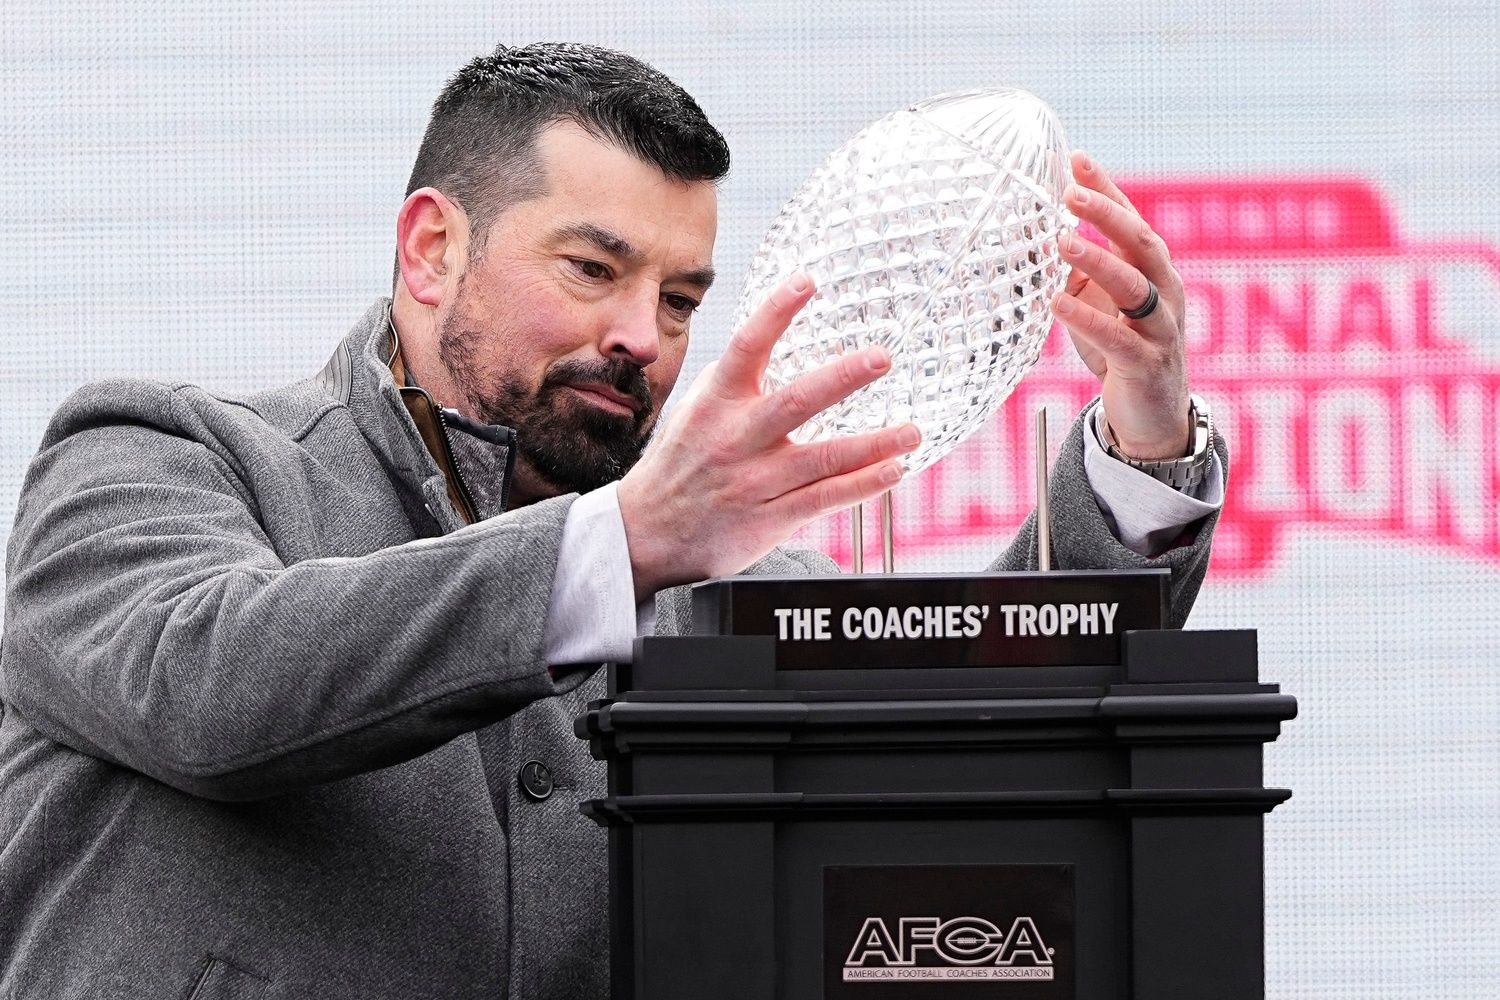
column 276, row 670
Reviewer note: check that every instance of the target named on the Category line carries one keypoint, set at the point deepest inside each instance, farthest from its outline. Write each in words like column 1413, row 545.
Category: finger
column 1077, row 278
column 808, row 463
column 1089, row 173
column 744, row 359
column 1134, row 238
column 825, row 496
column 789, row 407
column 1096, row 363
column 1106, row 335
column 1126, row 286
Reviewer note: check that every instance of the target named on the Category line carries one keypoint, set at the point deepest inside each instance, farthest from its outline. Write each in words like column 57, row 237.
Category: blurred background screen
column 207, row 192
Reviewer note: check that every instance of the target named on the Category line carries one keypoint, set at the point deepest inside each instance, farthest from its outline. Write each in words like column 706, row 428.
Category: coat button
column 536, row 780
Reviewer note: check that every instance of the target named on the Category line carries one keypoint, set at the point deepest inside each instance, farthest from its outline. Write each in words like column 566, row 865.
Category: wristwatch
column 1182, row 473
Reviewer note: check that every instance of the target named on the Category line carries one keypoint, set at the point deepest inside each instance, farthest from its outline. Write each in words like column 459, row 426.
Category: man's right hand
column 721, row 485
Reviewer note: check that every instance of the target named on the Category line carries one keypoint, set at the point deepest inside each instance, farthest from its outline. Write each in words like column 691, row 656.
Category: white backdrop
column 208, row 191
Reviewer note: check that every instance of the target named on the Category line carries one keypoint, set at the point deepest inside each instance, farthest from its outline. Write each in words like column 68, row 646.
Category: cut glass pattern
column 932, row 232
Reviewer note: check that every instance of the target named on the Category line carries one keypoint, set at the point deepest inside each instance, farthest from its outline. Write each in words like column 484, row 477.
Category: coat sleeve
column 150, row 622
column 1082, row 539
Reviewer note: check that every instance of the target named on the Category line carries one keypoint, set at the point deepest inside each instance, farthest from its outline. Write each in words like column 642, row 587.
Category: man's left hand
column 1141, row 362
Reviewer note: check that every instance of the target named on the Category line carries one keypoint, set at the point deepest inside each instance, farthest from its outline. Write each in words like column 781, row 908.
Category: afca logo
column 953, row 949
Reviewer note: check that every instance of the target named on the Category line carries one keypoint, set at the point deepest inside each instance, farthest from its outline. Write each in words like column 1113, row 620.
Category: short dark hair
column 480, row 145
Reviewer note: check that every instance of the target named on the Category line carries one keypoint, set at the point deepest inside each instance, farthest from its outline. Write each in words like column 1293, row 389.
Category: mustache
column 622, row 376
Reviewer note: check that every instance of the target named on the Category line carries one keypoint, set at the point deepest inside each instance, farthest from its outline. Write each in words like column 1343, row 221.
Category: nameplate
column 937, row 620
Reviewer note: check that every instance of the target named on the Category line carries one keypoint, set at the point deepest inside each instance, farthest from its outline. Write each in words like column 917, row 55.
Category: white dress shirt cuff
column 593, row 617
column 1145, row 514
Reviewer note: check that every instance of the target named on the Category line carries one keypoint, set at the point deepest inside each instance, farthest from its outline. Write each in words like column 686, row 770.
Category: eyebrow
column 616, row 245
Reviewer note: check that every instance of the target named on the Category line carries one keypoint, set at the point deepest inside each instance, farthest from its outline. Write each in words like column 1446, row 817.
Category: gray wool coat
column 265, row 700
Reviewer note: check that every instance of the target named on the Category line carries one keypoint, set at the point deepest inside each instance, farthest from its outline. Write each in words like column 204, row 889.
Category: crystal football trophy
column 934, row 233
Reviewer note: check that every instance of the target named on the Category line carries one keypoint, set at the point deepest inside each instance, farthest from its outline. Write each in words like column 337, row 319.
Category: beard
column 571, row 445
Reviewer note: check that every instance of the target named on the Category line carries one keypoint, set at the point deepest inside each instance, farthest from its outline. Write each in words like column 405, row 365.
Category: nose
column 633, row 335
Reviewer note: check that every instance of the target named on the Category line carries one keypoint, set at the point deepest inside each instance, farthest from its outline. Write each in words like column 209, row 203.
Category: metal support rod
column 887, row 532
column 1043, row 499
column 857, row 533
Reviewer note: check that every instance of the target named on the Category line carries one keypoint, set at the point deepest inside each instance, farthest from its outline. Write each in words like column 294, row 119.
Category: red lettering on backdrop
column 1320, row 335
column 1288, row 318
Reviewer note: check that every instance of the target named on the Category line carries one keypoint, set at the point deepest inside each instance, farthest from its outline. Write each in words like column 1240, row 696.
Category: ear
column 432, row 235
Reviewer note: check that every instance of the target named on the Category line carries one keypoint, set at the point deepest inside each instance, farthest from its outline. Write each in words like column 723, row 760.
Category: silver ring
column 1145, row 308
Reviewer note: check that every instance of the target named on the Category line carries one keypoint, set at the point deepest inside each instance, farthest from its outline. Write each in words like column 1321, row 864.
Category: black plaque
column 986, row 620
column 948, row 932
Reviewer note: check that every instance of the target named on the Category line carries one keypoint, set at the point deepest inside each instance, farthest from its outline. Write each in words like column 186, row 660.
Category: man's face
column 572, row 324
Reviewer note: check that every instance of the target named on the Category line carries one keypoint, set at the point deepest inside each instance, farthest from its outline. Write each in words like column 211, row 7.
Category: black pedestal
column 1026, row 832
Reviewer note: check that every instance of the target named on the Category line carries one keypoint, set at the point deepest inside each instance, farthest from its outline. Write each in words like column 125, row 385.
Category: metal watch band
column 1181, row 473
